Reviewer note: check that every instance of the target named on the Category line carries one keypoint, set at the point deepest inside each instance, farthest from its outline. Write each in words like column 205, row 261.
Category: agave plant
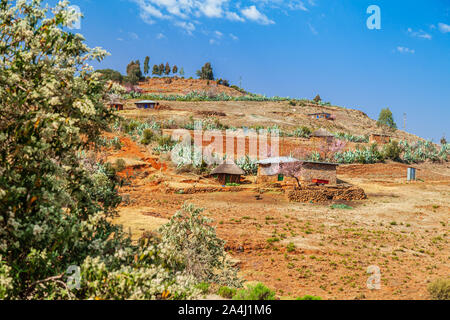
column 249, row 165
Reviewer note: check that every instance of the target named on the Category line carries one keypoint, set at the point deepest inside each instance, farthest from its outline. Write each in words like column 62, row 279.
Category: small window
column 280, row 177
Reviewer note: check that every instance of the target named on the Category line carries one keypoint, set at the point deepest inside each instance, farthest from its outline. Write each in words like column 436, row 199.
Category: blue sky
column 294, row 48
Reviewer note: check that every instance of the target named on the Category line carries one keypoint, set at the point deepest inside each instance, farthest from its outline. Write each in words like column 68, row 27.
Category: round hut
column 322, row 136
column 228, row 172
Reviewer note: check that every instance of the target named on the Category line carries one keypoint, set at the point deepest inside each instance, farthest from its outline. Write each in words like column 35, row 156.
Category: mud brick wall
column 320, row 171
column 379, row 139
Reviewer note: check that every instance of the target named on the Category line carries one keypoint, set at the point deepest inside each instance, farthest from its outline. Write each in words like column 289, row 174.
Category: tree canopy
column 206, row 72
column 134, row 73
column 386, row 119
column 146, row 65
column 110, row 74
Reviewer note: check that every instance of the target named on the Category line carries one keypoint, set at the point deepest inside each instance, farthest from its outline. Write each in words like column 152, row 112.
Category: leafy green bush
column 203, row 287
column 226, row 292
column 392, row 151
column 308, row 297
column 341, row 206
column 119, row 165
column 440, row 289
column 255, row 292
column 290, row 247
column 148, row 138
column 233, row 185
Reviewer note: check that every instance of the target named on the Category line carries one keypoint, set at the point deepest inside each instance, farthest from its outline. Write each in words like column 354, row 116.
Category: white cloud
column 419, row 34
column 160, row 36
column 187, row 26
column 232, row 36
column 182, row 9
column 233, row 16
column 218, row 34
column 313, row 30
column 444, row 28
column 297, row 5
column 405, row 50
column 182, row 13
column 133, row 35
column 254, row 14
column 211, row 8
column 291, row 5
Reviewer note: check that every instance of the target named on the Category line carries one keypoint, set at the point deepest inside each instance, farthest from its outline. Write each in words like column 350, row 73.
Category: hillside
column 267, row 114
column 179, row 86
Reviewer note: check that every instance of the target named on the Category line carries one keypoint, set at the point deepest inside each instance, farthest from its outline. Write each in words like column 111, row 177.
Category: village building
column 228, row 172
column 379, row 138
column 147, row 104
column 116, row 104
column 321, row 115
column 309, row 171
column 322, row 136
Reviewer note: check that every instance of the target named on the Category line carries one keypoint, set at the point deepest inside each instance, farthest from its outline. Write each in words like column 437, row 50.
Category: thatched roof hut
column 228, row 172
column 322, row 133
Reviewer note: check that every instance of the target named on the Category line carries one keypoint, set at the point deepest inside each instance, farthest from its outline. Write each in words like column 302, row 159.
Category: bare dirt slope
column 179, row 86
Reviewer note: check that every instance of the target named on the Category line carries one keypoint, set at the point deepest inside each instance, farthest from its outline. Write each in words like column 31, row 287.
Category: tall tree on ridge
column 167, row 69
column 206, row 72
column 155, row 70
column 146, row 65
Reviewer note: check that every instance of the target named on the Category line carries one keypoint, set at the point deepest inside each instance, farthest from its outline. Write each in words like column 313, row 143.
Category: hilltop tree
column 146, row 65
column 317, row 99
column 386, row 119
column 182, row 72
column 134, row 73
column 167, row 69
column 175, row 69
column 443, row 140
column 161, row 68
column 155, row 70
column 206, row 72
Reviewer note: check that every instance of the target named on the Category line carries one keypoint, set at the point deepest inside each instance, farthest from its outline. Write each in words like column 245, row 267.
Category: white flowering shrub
column 55, row 201
column 190, row 243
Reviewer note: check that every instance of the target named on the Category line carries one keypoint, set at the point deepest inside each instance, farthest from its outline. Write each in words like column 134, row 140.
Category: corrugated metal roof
column 145, row 101
column 276, row 160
